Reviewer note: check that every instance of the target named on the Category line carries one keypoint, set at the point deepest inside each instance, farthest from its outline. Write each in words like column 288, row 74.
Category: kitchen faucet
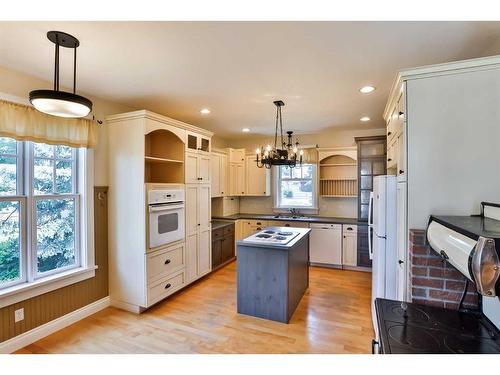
column 294, row 212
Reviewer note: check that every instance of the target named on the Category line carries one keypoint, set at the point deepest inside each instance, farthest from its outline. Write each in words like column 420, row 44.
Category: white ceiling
column 238, row 68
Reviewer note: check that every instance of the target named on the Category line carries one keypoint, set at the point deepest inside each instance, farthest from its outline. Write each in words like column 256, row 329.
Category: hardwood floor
column 332, row 317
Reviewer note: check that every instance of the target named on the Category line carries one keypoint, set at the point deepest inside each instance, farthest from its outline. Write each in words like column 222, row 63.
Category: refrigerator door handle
column 370, row 245
column 370, row 204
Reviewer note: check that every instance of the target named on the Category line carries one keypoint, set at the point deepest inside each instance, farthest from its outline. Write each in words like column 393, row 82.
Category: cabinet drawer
column 165, row 287
column 228, row 229
column 258, row 223
column 161, row 263
column 349, row 229
column 217, row 233
column 293, row 224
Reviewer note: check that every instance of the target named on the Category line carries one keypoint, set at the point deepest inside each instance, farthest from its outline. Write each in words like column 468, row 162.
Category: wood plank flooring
column 332, row 317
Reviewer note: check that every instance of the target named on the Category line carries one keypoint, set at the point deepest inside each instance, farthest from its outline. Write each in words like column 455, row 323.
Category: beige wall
column 19, row 84
column 338, row 207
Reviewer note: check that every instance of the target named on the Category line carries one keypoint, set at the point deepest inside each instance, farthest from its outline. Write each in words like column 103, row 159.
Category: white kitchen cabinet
column 218, row 170
column 349, row 245
column 288, row 223
column 198, row 231
column 236, row 179
column 197, row 167
column 325, row 244
column 402, row 241
column 258, row 180
column 197, row 142
column 236, row 155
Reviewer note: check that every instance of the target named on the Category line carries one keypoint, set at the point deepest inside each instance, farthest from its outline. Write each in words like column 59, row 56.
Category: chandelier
column 286, row 154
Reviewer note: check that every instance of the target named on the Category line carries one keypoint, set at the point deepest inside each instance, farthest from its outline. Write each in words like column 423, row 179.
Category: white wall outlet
column 19, row 315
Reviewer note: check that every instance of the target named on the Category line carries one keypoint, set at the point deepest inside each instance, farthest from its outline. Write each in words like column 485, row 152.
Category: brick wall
column 434, row 281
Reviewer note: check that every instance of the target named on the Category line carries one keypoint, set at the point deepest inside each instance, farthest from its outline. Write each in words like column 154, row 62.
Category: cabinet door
column 325, row 246
column 204, row 206
column 192, row 202
column 402, row 266
column 257, row 179
column 349, row 249
column 227, row 248
column 204, row 168
column 401, row 157
column 191, row 168
column 232, row 180
column 204, row 253
column 223, row 183
column 215, row 169
column 240, row 179
column 216, row 253
column 237, row 155
column 191, row 257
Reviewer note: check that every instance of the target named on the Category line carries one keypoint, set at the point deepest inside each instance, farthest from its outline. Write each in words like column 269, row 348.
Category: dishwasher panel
column 325, row 245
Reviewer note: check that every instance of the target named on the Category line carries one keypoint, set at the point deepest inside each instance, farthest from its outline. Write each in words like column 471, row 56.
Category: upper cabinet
column 338, row 172
column 396, row 136
column 257, row 180
column 218, row 169
column 197, row 142
column 163, row 157
column 236, row 155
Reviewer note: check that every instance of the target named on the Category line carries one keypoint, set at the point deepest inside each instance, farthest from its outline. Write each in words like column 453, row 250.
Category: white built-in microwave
column 166, row 216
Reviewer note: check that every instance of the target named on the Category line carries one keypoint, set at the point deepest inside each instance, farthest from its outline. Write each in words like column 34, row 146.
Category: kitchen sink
column 291, row 217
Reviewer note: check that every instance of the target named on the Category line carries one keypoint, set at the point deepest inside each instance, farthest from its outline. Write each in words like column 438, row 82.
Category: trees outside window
column 295, row 186
column 39, row 210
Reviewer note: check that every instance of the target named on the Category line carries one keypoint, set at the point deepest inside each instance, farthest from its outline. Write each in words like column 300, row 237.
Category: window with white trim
column 40, row 215
column 296, row 187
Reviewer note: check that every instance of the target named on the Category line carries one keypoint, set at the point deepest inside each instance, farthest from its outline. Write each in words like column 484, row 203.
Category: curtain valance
column 310, row 156
column 25, row 123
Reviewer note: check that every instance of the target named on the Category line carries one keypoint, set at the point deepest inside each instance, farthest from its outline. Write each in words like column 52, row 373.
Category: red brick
column 430, row 302
column 471, row 299
column 421, row 250
column 417, row 236
column 419, row 292
column 431, row 283
column 444, row 295
column 453, row 274
column 426, row 261
column 454, row 285
column 451, row 305
column 419, row 271
column 436, row 272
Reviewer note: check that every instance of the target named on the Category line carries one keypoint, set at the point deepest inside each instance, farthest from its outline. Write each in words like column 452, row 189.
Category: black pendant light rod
column 56, row 69
column 74, row 73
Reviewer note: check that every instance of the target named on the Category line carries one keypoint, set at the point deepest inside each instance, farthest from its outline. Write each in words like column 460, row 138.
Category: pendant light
column 287, row 153
column 61, row 103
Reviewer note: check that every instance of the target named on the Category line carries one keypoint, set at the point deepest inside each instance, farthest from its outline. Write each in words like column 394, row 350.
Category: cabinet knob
column 389, row 159
column 199, row 224
column 401, row 113
column 259, row 228
column 222, row 192
column 168, row 286
column 167, row 261
column 401, row 171
column 400, row 261
column 389, row 133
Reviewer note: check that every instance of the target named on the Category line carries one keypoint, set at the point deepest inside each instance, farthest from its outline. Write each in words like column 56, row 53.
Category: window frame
column 278, row 207
column 32, row 283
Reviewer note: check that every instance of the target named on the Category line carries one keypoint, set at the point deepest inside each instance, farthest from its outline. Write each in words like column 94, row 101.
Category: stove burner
column 269, row 231
column 465, row 323
column 470, row 345
column 414, row 337
column 412, row 312
column 285, row 233
column 263, row 236
column 281, row 238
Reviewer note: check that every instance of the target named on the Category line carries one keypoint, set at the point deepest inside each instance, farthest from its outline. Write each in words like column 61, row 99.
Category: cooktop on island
column 274, row 235
column 406, row 328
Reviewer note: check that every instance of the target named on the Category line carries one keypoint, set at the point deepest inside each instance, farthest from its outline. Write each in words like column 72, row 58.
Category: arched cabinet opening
column 163, row 157
column 338, row 177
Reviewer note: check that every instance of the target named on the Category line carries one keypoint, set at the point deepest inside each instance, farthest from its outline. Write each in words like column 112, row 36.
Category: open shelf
column 163, row 157
column 338, row 177
column 338, row 188
column 151, row 159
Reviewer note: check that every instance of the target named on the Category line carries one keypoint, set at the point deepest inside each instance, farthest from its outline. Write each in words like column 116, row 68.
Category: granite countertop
column 307, row 219
column 217, row 224
column 270, row 245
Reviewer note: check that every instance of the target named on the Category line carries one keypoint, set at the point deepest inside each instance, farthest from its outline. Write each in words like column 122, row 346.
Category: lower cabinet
column 198, row 231
column 223, row 245
column 349, row 245
column 363, row 257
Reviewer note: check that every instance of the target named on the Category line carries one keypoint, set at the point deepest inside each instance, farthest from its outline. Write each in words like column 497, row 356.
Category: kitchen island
column 273, row 272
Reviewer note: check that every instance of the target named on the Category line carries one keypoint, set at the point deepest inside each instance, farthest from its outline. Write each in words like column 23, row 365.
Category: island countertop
column 306, row 219
column 302, row 232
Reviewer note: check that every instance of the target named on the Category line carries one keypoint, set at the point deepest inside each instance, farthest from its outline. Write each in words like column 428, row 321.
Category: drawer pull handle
column 287, row 225
column 389, row 133
column 167, row 261
column 401, row 171
column 168, row 286
column 259, row 224
column 389, row 159
column 349, row 228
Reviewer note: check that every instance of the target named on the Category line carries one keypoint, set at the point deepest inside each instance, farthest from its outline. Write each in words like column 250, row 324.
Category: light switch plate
column 19, row 315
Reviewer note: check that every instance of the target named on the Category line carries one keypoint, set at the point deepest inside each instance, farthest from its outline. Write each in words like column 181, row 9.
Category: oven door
column 166, row 224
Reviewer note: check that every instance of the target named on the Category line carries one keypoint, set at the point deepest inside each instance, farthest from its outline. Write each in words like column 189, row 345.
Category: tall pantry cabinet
column 150, row 151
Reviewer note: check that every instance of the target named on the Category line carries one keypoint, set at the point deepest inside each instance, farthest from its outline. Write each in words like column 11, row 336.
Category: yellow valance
column 310, row 156
column 25, row 123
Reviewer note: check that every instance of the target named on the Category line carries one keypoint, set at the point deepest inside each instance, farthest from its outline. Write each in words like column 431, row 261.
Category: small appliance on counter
column 471, row 244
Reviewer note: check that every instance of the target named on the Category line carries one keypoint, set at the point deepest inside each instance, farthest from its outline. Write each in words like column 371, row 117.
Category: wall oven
column 166, row 216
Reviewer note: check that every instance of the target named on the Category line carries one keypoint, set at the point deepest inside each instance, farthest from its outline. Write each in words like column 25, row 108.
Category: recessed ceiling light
column 245, row 130
column 205, row 111
column 366, row 89
column 364, row 119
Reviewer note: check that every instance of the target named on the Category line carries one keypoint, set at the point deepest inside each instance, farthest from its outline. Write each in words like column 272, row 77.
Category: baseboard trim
column 55, row 325
column 127, row 306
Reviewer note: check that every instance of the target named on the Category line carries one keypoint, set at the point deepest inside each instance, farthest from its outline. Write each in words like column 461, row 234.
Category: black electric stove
column 412, row 328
